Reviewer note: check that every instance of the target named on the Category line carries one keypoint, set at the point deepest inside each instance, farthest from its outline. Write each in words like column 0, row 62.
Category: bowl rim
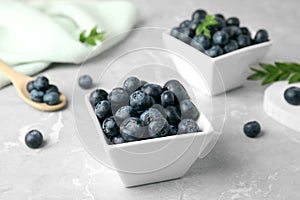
column 223, row 56
column 209, row 130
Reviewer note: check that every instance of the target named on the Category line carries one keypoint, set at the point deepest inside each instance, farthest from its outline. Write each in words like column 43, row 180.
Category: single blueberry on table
column 34, row 139
column 233, row 21
column 131, row 84
column 133, row 129
column 201, row 42
column 117, row 140
column 175, row 32
column 102, row 109
column 41, row 83
column 199, row 14
column 52, row 88
column 153, row 90
column 85, row 81
column 185, row 24
column 231, row 46
column 30, row 86
column 158, row 128
column 189, row 110
column 243, row 41
column 167, row 98
column 150, row 115
column 97, row 96
column 110, row 127
column 172, row 130
column 36, row 95
column 124, row 113
column 177, row 88
column 214, row 51
column 185, row 35
column 173, row 115
column 252, row 129
column 140, row 101
column 292, row 95
column 51, row 98
column 220, row 38
column 188, row 126
column 261, row 36
column 118, row 98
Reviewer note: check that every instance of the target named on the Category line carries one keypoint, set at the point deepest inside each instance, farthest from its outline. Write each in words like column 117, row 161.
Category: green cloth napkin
column 37, row 33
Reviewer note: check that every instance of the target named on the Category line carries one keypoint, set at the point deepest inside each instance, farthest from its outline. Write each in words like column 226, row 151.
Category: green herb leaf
column 278, row 72
column 203, row 27
column 92, row 38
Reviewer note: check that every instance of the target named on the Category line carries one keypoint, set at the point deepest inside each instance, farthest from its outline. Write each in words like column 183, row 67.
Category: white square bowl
column 219, row 74
column 154, row 160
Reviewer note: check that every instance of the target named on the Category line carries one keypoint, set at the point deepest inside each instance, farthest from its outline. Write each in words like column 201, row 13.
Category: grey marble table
column 238, row 168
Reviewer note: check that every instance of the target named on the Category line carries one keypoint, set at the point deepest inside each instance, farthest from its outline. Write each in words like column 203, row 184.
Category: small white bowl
column 220, row 74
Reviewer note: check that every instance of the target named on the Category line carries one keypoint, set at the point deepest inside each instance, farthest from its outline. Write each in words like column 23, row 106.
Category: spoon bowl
column 20, row 82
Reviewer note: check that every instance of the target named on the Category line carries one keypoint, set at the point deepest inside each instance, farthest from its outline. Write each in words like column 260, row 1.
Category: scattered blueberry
column 34, row 139
column 131, row 84
column 110, row 127
column 189, row 110
column 177, row 88
column 118, row 98
column 173, row 115
column 220, row 38
column 140, row 101
column 199, row 14
column 158, row 128
column 102, row 109
column 133, row 129
column 188, row 126
column 150, row 115
column 37, row 95
column 97, row 96
column 252, row 129
column 233, row 21
column 292, row 95
column 261, row 36
column 41, row 83
column 51, row 98
column 231, row 46
column 117, row 140
column 85, row 81
column 30, row 86
column 153, row 90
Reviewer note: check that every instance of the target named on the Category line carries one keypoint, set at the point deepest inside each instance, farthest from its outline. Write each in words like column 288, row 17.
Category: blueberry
column 292, row 95
column 150, row 115
column 34, row 139
column 41, row 83
column 118, row 98
column 213, row 29
column 140, row 101
column 229, row 30
column 158, row 128
column 175, row 32
column 131, row 84
column 252, row 129
column 167, row 98
column 220, row 16
column 185, row 35
column 30, row 86
column 177, row 88
column 243, row 41
column 52, row 88
column 133, row 129
column 51, row 98
column 153, row 90
column 172, row 130
column 233, row 21
column 220, row 38
column 188, row 126
column 97, row 96
column 261, row 36
column 110, row 127
column 185, row 24
column 194, row 25
column 201, row 42
column 124, row 113
column 221, row 22
column 85, row 81
column 245, row 31
column 36, row 95
column 231, row 46
column 161, row 109
column 199, row 14
column 189, row 110
column 102, row 109
column 214, row 51
column 117, row 140
column 173, row 115
column 236, row 31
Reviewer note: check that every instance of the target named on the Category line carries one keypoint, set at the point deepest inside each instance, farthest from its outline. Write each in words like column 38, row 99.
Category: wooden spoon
column 20, row 82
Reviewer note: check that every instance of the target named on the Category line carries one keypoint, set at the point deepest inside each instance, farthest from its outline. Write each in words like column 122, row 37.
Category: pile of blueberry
column 141, row 110
column 42, row 92
column 224, row 37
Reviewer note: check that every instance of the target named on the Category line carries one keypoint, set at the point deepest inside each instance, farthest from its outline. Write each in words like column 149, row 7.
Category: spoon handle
column 13, row 75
